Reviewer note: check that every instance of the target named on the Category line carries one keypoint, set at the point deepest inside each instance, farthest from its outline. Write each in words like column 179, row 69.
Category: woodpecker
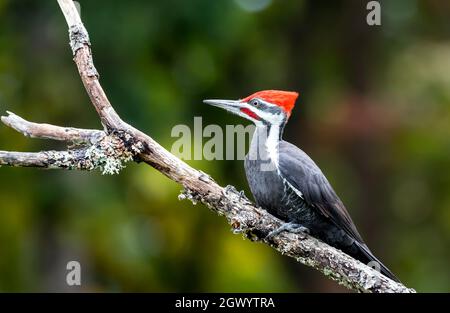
column 287, row 183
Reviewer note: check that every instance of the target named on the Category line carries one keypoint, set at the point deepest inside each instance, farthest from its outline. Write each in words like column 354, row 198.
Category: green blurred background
column 374, row 112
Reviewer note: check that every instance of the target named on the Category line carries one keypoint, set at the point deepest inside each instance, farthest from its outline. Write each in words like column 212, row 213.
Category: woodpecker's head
column 271, row 107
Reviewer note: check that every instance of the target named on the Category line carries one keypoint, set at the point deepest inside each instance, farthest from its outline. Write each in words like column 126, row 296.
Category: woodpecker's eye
column 255, row 102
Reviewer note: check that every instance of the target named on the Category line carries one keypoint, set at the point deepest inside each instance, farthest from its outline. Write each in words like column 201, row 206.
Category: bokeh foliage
column 374, row 112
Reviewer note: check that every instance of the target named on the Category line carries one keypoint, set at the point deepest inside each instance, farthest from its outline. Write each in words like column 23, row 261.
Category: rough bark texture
column 119, row 142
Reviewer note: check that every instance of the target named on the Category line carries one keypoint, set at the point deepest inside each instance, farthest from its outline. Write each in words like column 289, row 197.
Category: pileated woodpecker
column 287, row 183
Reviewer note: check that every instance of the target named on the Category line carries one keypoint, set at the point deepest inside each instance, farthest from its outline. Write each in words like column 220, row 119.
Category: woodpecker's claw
column 230, row 188
column 289, row 227
column 242, row 195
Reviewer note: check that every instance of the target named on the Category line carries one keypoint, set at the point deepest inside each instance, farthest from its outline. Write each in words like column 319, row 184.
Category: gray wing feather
column 303, row 174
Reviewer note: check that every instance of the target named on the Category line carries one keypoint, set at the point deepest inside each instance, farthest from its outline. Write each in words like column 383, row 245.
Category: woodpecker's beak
column 230, row 105
column 237, row 107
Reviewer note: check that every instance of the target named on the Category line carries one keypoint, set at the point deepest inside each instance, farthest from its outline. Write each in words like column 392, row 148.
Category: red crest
column 284, row 99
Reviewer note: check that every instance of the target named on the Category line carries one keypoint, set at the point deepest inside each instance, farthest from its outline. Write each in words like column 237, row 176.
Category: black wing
column 303, row 174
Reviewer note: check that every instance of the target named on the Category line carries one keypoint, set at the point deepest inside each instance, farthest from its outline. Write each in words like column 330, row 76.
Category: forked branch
column 120, row 142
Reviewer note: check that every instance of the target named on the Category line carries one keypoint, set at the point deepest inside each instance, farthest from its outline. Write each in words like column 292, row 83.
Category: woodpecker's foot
column 242, row 195
column 289, row 227
column 230, row 188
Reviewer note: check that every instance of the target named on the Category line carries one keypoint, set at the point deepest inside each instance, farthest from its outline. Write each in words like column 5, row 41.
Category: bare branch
column 81, row 48
column 70, row 12
column 73, row 159
column 108, row 154
column 48, row 131
column 122, row 143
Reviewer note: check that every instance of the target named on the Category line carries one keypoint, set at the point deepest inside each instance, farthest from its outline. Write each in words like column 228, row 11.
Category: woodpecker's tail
column 366, row 256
